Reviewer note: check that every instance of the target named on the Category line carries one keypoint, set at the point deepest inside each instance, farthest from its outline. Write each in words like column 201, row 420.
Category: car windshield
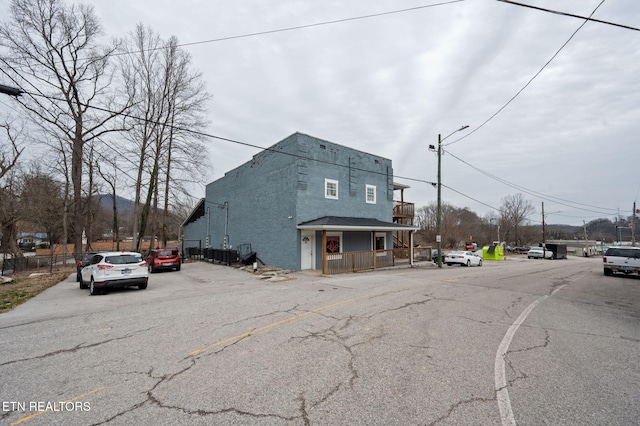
column 123, row 259
column 622, row 252
column 167, row 253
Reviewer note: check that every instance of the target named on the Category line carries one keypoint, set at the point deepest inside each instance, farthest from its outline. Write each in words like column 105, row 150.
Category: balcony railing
column 403, row 210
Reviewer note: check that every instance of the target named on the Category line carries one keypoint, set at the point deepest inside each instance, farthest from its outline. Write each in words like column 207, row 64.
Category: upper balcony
column 403, row 210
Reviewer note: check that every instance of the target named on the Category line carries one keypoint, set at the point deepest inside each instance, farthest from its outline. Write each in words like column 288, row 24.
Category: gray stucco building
column 295, row 198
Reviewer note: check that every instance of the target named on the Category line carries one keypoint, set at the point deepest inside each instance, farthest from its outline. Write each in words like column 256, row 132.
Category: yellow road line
column 296, row 317
column 24, row 419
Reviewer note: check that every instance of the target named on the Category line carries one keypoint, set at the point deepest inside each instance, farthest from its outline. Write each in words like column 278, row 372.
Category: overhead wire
column 527, row 83
column 557, row 200
column 589, row 18
column 300, row 27
column 564, row 202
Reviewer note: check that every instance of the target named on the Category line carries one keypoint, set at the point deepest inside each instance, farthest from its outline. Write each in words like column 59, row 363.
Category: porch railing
column 355, row 261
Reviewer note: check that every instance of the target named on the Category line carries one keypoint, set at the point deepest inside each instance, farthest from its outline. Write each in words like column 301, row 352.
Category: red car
column 166, row 259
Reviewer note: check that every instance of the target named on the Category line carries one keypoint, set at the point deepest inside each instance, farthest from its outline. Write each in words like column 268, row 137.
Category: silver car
column 114, row 270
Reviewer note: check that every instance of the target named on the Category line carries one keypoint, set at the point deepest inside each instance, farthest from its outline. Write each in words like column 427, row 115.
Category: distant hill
column 124, row 205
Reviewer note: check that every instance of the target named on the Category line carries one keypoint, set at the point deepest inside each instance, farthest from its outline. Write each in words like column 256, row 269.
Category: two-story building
column 304, row 203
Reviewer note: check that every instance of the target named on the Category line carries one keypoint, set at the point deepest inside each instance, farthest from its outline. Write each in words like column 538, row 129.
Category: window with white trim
column 331, row 189
column 371, row 194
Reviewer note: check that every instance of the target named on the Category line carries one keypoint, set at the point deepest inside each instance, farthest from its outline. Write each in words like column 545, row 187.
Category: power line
column 589, row 18
column 561, row 201
column 528, row 83
column 301, row 27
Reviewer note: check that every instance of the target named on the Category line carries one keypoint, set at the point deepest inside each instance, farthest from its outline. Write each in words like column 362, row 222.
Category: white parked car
column 539, row 253
column 466, row 258
column 114, row 270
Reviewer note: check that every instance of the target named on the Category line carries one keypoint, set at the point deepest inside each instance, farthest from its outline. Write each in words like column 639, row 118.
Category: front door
column 307, row 250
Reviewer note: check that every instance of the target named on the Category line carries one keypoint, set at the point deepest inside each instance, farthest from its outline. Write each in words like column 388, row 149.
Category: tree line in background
column 120, row 118
column 510, row 225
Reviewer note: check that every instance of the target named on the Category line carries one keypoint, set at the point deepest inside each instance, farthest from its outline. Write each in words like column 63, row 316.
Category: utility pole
column 633, row 225
column 586, row 239
column 544, row 245
column 439, row 219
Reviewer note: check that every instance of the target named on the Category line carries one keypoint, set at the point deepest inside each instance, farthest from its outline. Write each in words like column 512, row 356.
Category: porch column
column 411, row 247
column 324, row 252
column 374, row 248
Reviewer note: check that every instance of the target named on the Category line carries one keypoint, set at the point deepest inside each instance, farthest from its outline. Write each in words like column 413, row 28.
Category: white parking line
column 502, row 392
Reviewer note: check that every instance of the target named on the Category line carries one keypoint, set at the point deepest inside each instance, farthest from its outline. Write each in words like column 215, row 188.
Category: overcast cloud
column 390, row 84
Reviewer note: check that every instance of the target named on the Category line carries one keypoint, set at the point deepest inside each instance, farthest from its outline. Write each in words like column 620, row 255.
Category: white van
column 621, row 259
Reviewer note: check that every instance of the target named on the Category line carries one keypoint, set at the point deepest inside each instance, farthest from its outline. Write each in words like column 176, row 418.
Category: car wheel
column 92, row 288
column 78, row 277
column 528, row 257
column 142, row 286
column 480, row 262
column 468, row 263
column 83, row 285
column 608, row 272
column 178, row 268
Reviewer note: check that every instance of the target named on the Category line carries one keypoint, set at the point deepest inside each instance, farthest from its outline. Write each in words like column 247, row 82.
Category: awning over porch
column 356, row 260
column 337, row 223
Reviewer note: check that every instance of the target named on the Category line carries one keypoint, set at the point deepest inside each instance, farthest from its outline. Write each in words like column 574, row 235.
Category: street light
column 439, row 224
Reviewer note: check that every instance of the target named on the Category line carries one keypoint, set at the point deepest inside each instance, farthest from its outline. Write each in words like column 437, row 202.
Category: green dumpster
column 493, row 252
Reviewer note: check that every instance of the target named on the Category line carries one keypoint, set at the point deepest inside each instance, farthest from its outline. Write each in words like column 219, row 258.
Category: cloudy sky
column 389, row 84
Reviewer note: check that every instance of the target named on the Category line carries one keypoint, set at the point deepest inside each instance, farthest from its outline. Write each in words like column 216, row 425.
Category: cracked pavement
column 406, row 346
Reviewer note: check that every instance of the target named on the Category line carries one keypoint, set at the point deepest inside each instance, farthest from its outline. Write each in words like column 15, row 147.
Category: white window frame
column 366, row 192
column 327, row 195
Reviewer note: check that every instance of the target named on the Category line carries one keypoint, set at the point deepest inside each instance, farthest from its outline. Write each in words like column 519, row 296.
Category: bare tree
column 514, row 212
column 53, row 49
column 169, row 112
column 11, row 147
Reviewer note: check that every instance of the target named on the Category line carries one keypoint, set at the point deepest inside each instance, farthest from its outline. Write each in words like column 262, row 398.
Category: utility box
column 493, row 252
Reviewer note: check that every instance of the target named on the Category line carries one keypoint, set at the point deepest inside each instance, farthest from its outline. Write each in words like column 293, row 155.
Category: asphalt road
column 516, row 342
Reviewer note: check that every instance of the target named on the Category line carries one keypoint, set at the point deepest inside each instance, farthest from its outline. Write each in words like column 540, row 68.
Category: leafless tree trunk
column 111, row 180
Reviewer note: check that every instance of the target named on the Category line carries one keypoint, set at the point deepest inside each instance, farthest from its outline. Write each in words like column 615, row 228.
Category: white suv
column 114, row 269
column 621, row 259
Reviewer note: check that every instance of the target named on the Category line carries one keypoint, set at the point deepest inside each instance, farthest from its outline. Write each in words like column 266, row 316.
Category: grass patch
column 25, row 285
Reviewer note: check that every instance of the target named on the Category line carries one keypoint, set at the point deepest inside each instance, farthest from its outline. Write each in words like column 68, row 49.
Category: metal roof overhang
column 334, row 223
